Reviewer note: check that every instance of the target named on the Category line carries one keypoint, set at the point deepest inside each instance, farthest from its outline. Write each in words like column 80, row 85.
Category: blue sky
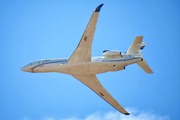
column 33, row 30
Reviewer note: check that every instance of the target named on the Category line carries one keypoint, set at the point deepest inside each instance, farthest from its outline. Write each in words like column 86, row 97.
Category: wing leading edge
column 83, row 50
column 93, row 83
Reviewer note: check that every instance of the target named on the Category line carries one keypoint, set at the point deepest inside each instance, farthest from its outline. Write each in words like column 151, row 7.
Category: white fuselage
column 96, row 66
column 82, row 66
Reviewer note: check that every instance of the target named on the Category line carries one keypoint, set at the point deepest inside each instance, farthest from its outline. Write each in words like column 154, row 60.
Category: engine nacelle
column 112, row 53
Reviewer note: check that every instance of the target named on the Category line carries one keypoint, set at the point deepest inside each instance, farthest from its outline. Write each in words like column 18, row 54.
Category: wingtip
column 128, row 113
column 99, row 8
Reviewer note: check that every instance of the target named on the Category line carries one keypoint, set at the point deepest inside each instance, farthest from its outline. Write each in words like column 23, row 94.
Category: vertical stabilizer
column 144, row 66
column 135, row 46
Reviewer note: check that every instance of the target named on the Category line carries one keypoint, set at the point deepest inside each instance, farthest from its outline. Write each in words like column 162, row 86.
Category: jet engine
column 112, row 53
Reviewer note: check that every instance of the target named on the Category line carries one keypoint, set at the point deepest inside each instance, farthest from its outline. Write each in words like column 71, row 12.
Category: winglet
column 98, row 8
column 129, row 113
column 126, row 113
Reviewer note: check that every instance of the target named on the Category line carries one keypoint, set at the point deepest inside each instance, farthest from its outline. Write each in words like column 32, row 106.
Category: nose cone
column 26, row 68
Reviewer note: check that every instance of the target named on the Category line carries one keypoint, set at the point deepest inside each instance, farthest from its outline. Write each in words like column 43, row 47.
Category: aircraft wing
column 83, row 50
column 93, row 83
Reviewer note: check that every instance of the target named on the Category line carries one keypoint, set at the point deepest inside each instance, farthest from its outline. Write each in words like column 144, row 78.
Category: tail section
column 143, row 65
column 136, row 46
column 135, row 49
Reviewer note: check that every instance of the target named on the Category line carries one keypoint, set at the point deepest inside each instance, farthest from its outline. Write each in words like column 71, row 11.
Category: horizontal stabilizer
column 144, row 66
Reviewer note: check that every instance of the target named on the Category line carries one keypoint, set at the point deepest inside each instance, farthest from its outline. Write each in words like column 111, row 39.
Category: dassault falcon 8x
column 84, row 67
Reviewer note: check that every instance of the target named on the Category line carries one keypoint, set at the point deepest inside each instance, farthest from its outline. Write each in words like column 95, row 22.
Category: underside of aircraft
column 84, row 67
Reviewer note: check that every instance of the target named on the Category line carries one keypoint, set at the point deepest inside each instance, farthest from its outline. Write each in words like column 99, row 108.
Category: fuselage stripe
column 121, row 60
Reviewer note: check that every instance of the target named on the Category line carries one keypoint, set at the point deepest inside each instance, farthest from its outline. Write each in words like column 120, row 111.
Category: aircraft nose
column 26, row 69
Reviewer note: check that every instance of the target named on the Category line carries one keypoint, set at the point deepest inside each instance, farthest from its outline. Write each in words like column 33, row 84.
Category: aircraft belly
column 75, row 69
column 62, row 68
column 97, row 67
column 115, row 66
column 79, row 69
column 87, row 68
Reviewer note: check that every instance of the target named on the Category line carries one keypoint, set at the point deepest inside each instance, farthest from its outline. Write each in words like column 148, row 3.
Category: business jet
column 84, row 67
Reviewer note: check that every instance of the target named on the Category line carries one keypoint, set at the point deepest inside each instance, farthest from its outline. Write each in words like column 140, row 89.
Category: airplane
column 84, row 68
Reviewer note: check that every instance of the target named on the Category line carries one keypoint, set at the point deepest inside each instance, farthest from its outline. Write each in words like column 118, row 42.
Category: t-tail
column 135, row 49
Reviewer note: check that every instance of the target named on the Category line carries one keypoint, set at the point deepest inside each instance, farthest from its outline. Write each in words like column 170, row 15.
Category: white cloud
column 115, row 116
